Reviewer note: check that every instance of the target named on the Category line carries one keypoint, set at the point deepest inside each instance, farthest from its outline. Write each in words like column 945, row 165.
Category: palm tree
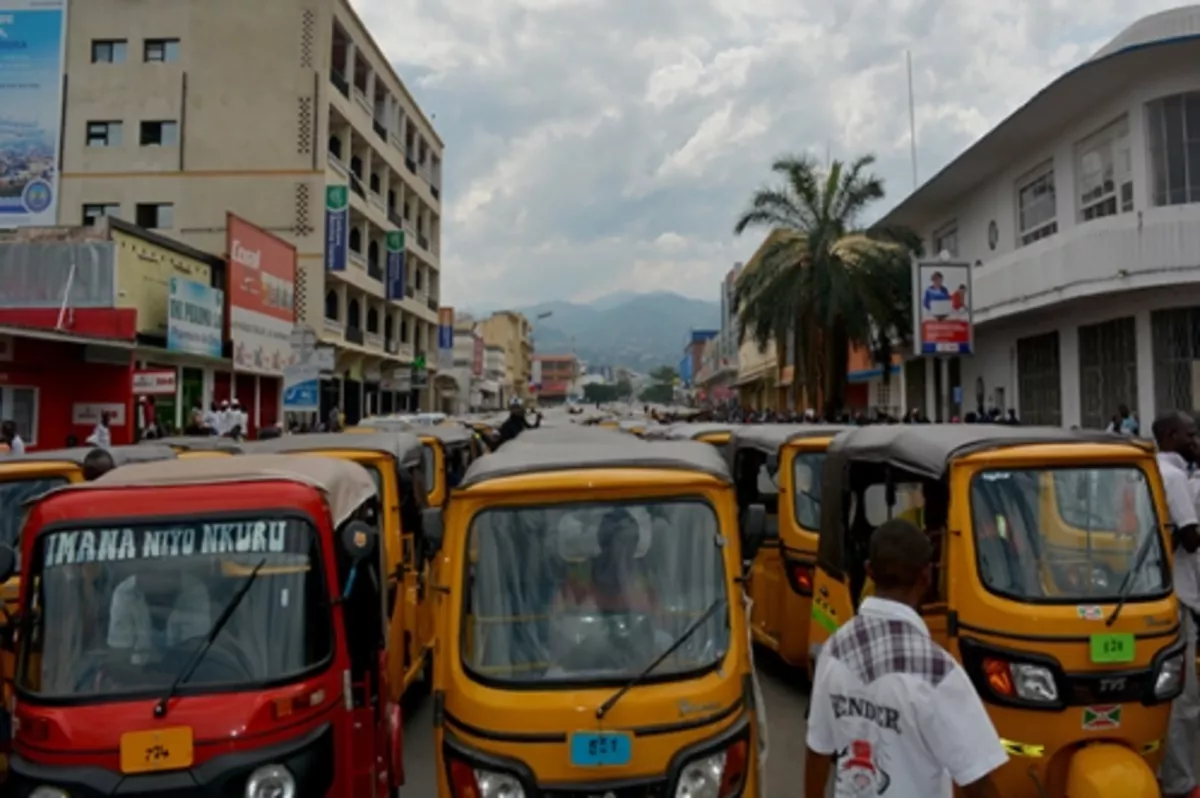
column 822, row 278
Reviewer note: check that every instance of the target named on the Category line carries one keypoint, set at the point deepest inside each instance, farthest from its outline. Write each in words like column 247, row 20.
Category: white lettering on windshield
column 115, row 545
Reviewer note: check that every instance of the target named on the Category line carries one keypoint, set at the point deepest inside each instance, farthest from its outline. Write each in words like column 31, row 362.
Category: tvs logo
column 1114, row 684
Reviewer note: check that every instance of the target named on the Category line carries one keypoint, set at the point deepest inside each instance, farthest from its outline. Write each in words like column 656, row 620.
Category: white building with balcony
column 1081, row 215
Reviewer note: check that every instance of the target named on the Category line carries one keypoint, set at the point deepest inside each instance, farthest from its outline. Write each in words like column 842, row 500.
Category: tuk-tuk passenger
column 615, row 586
column 155, row 610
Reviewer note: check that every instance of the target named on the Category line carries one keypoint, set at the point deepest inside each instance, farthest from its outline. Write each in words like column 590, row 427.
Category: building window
column 104, row 134
column 94, row 212
column 1037, row 213
column 1174, row 140
column 21, row 405
column 1104, row 172
column 108, row 51
column 155, row 215
column 946, row 240
column 159, row 134
column 162, row 50
column 331, row 305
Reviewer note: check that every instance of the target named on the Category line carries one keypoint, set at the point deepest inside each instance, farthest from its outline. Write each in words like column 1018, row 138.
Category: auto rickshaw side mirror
column 359, row 539
column 432, row 529
column 754, row 530
column 8, row 562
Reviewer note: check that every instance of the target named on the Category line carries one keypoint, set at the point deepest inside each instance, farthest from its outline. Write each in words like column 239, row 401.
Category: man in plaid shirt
column 891, row 712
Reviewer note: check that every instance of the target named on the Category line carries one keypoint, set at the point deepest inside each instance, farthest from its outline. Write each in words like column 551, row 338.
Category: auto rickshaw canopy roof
column 927, row 449
column 198, row 443
column 121, row 455
column 770, row 438
column 455, row 436
column 688, row 430
column 564, row 449
column 344, row 485
column 405, row 447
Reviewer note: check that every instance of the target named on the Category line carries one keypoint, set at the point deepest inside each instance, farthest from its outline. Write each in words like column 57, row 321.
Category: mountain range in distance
column 638, row 331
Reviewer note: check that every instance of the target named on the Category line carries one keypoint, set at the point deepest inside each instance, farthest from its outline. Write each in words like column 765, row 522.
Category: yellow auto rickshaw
column 449, row 451
column 779, row 466
column 1052, row 587
column 592, row 632
column 394, row 460
column 193, row 446
column 712, row 433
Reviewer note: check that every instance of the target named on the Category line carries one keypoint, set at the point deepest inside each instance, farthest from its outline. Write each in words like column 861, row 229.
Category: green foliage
column 624, row 389
column 664, row 375
column 822, row 281
column 601, row 392
column 658, row 394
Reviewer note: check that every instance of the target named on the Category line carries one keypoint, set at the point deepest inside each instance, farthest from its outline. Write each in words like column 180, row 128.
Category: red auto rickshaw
column 205, row 627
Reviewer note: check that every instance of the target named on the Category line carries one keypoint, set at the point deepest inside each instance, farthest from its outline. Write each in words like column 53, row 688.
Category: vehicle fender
column 1109, row 770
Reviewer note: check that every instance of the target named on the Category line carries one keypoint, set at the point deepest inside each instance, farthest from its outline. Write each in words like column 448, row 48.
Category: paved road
column 784, row 699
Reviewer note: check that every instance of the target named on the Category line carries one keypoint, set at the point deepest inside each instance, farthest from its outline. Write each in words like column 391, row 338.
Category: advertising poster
column 337, row 227
column 445, row 338
column 943, row 305
column 477, row 359
column 195, row 318
column 395, row 264
column 302, row 388
column 32, row 36
column 262, row 301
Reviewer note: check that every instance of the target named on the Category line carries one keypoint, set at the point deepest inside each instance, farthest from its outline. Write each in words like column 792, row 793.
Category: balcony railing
column 394, row 218
column 362, row 100
column 410, row 163
column 357, row 259
column 354, row 335
column 396, row 142
column 380, row 130
column 356, row 186
column 334, row 326
column 336, row 164
column 373, row 340
column 435, row 191
column 374, row 270
column 339, row 81
column 405, row 351
column 408, row 291
column 377, row 201
column 423, row 241
column 391, row 346
column 431, row 303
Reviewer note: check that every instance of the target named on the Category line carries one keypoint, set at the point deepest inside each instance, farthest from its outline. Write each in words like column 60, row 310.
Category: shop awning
column 62, row 336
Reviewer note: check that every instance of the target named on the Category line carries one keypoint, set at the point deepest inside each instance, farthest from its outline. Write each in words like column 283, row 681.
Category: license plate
column 1109, row 649
column 608, row 749
column 158, row 749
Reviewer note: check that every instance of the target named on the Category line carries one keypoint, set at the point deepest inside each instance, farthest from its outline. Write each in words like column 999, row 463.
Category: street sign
column 419, row 362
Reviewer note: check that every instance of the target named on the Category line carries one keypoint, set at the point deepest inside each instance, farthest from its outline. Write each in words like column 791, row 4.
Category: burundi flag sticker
column 1102, row 718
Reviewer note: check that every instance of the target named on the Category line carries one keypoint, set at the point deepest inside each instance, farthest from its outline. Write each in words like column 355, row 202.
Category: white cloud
column 603, row 145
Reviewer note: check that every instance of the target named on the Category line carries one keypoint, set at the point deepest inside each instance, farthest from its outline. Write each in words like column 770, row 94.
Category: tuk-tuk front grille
column 656, row 789
column 1110, row 688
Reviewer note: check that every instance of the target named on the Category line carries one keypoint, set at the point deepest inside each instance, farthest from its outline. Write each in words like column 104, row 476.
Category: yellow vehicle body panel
column 533, row 726
column 438, row 490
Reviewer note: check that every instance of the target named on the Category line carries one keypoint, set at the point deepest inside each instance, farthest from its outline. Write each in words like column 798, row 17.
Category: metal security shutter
column 1175, row 336
column 1107, row 371
column 1039, row 380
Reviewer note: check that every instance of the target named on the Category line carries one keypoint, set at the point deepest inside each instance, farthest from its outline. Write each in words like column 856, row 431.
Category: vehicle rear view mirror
column 8, row 562
column 754, row 530
column 432, row 529
column 359, row 539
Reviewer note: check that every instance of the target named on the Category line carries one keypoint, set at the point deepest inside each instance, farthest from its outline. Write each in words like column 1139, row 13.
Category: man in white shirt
column 891, row 712
column 101, row 436
column 1175, row 434
column 155, row 610
column 9, row 434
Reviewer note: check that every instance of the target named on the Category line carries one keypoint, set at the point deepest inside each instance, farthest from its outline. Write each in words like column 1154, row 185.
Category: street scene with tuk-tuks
column 599, row 400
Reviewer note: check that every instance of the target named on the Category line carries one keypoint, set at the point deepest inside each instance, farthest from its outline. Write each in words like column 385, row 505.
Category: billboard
column 337, row 227
column 262, row 302
column 195, row 318
column 942, row 303
column 477, row 355
column 445, row 338
column 396, row 279
column 32, row 46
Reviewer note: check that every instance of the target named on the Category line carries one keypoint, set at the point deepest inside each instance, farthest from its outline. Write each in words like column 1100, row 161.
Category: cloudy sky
column 595, row 146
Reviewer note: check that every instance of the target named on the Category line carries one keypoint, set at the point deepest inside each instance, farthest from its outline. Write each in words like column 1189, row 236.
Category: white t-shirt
column 901, row 716
column 1181, row 504
column 130, row 625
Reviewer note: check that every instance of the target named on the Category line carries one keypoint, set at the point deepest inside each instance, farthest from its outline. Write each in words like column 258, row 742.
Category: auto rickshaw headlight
column 49, row 792
column 1169, row 681
column 1033, row 683
column 467, row 781
column 719, row 774
column 271, row 781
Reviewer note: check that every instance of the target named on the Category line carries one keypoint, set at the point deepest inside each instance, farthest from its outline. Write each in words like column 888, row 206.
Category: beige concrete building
column 177, row 113
column 511, row 331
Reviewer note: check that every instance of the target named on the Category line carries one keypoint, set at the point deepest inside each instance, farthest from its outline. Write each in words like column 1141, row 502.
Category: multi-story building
column 1080, row 217
column 289, row 116
column 511, row 331
column 491, row 388
column 719, row 359
column 554, row 377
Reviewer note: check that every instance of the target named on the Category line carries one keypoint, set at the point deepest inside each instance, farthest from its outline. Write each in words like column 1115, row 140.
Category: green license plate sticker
column 1108, row 649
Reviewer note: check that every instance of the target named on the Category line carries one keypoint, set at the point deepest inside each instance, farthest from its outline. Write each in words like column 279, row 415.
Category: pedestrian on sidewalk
column 891, row 712
column 101, row 436
column 12, row 438
column 1178, row 448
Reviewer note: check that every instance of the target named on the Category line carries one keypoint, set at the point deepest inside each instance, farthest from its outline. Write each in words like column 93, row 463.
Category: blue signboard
column 31, row 80
column 395, row 264
column 195, row 318
column 337, row 227
column 302, row 388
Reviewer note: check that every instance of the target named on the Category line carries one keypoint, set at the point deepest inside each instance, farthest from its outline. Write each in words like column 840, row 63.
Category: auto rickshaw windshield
column 13, row 495
column 1068, row 534
column 592, row 593
column 806, row 473
column 427, row 466
column 120, row 610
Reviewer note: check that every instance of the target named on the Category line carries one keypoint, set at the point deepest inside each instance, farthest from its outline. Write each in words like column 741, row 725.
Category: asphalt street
column 783, row 697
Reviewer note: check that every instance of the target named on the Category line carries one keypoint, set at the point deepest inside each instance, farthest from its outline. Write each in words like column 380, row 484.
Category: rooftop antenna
column 912, row 119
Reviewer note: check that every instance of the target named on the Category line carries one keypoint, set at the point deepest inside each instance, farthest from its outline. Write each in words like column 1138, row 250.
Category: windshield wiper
column 612, row 700
column 1127, row 583
column 160, row 709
